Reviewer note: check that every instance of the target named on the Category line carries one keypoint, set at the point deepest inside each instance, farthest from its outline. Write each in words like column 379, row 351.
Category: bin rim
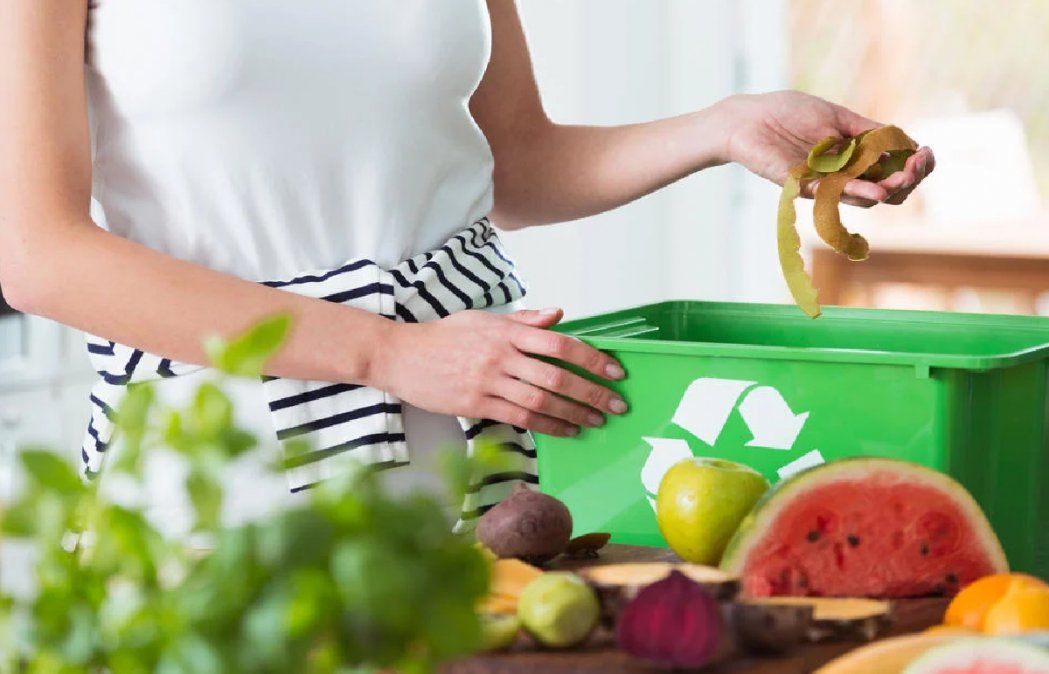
column 583, row 328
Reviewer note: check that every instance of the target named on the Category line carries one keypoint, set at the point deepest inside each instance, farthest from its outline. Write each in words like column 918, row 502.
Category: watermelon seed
column 924, row 550
column 813, row 536
column 952, row 579
column 853, row 540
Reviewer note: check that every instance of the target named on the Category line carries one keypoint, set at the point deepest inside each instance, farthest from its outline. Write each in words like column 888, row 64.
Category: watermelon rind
column 754, row 527
column 994, row 655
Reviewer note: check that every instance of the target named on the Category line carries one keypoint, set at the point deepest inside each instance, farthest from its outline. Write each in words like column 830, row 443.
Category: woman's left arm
column 547, row 172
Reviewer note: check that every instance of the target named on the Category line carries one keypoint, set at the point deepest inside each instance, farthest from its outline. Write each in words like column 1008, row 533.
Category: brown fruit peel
column 587, row 545
column 789, row 245
column 868, row 153
column 872, row 155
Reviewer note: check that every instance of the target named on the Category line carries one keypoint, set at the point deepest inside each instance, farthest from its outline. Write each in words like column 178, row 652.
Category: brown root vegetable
column 528, row 525
column 617, row 584
column 586, row 546
column 832, row 617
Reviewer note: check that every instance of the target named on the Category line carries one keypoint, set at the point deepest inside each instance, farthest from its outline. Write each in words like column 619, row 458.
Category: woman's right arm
column 54, row 261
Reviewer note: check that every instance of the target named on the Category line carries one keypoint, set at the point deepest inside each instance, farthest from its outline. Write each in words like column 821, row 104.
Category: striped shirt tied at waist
column 349, row 422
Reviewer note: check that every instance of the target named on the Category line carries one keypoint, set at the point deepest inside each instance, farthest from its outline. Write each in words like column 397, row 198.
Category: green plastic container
column 769, row 387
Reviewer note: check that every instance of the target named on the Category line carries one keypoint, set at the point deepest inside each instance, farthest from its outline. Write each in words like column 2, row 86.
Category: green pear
column 701, row 502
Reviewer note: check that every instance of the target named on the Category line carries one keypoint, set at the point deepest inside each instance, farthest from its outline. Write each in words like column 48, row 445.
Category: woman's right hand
column 483, row 365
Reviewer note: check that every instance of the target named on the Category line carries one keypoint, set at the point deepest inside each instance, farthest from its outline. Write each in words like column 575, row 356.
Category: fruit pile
column 765, row 570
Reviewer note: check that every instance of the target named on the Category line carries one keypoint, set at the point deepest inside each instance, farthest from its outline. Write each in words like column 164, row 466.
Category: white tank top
column 268, row 137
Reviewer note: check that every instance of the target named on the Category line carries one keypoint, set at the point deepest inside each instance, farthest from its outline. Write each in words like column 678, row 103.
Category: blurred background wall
column 968, row 77
column 622, row 61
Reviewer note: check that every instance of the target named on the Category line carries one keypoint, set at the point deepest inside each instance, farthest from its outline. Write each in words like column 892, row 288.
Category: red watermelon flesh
column 864, row 528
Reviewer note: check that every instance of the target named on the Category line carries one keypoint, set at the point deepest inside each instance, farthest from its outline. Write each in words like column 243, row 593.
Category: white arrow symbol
column 813, row 458
column 770, row 420
column 706, row 405
column 665, row 453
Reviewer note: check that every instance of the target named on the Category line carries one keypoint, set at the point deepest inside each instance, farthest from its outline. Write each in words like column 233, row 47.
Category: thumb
column 544, row 318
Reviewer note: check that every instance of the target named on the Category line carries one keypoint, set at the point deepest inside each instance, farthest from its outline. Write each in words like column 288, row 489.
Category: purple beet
column 673, row 623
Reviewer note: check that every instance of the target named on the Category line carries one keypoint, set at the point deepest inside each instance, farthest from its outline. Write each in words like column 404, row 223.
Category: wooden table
column 600, row 656
column 1012, row 257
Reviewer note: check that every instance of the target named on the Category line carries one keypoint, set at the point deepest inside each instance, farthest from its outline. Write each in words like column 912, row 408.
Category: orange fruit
column 1022, row 609
column 969, row 607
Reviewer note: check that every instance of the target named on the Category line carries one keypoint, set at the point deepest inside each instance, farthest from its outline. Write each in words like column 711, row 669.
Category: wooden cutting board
column 599, row 655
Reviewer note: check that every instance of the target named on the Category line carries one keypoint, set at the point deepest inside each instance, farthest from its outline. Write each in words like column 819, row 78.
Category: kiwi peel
column 872, row 155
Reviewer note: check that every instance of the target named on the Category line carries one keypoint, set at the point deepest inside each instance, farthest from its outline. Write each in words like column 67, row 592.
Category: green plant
column 352, row 580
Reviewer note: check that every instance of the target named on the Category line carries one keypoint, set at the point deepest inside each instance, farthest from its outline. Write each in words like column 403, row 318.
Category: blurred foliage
column 900, row 59
column 351, row 580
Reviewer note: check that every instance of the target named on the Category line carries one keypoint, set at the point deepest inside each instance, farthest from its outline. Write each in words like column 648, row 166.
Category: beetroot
column 528, row 525
column 673, row 623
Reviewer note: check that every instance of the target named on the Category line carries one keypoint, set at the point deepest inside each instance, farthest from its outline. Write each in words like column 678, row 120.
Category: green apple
column 498, row 631
column 558, row 608
column 701, row 502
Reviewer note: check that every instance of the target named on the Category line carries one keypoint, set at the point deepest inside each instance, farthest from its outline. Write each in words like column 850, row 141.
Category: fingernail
column 617, row 405
column 595, row 420
column 572, row 431
column 549, row 311
column 614, row 371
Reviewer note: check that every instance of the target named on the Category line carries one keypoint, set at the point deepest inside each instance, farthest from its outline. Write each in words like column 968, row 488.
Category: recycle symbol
column 703, row 411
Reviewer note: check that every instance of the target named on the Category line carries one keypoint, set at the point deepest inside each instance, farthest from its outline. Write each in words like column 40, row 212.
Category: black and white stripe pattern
column 347, row 422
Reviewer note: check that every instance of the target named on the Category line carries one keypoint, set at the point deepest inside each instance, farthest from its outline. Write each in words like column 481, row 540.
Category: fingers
column 857, row 192
column 853, row 124
column 865, row 190
column 895, row 188
column 507, row 412
column 561, row 381
column 568, row 349
column 902, row 183
column 544, row 318
column 548, row 404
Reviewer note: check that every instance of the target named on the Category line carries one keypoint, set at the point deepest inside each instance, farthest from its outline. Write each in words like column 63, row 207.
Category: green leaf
column 246, row 355
column 51, row 472
column 212, row 411
column 132, row 423
column 206, row 495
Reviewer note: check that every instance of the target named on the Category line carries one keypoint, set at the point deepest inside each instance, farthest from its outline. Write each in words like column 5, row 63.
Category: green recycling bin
column 767, row 386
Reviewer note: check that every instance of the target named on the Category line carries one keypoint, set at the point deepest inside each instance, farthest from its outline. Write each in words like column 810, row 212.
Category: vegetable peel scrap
column 873, row 155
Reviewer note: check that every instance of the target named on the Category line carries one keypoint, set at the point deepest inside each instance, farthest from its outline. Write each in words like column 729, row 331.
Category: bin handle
column 628, row 327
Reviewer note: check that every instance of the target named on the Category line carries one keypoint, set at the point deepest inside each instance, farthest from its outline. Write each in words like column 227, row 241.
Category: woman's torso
column 266, row 137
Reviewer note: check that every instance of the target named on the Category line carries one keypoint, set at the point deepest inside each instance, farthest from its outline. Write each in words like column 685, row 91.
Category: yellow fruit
column 969, row 607
column 1022, row 609
column 509, row 577
column 498, row 604
column 887, row 656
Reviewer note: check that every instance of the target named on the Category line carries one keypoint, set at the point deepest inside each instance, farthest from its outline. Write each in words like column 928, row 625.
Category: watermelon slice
column 864, row 527
column 982, row 656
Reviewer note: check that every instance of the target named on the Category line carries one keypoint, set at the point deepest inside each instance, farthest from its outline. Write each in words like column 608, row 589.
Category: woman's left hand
column 770, row 133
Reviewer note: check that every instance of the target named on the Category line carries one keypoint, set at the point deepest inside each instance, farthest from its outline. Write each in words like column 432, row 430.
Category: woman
column 237, row 147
